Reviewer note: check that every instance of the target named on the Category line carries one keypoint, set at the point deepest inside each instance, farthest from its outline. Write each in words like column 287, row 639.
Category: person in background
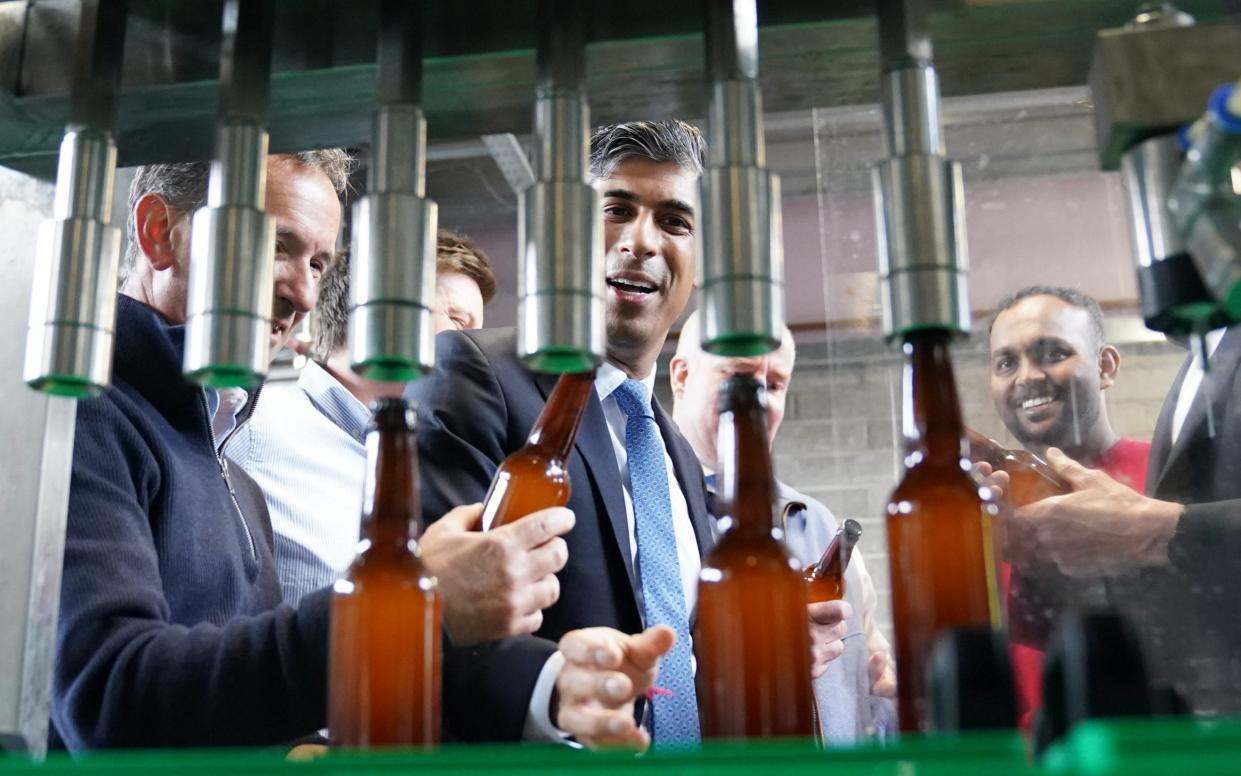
column 305, row 447
column 172, row 631
column 1171, row 556
column 642, row 527
column 855, row 691
column 1050, row 366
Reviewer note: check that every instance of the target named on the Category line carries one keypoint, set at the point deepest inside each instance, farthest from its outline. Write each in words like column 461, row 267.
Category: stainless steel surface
column 742, row 287
column 560, row 283
column 1148, row 170
column 560, row 276
column 741, row 264
column 35, row 485
column 73, row 297
column 392, row 271
column 232, row 245
column 392, row 285
column 228, row 321
column 1151, row 79
column 922, row 256
column 911, row 113
column 232, row 241
column 398, row 150
column 918, row 195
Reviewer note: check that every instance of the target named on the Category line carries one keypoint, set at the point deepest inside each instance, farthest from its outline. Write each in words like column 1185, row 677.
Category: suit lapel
column 594, row 444
column 1215, row 390
column 1161, row 442
column 689, row 477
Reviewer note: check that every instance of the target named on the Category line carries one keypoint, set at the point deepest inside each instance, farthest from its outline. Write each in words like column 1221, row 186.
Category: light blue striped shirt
column 305, row 447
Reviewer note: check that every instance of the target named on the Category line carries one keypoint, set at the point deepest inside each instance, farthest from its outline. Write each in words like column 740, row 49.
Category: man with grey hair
column 171, row 628
column 622, row 620
column 855, row 691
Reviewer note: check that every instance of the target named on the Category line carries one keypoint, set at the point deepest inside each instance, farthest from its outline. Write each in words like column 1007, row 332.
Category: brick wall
column 840, row 441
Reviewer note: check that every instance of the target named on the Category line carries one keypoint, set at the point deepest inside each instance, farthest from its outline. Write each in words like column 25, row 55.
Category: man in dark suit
column 1182, row 542
column 637, row 493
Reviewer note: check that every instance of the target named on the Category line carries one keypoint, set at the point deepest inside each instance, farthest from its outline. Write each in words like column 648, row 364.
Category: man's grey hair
column 1069, row 296
column 671, row 140
column 183, row 185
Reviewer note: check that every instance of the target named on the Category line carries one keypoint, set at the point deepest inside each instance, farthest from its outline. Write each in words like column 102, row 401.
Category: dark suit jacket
column 1191, row 616
column 474, row 410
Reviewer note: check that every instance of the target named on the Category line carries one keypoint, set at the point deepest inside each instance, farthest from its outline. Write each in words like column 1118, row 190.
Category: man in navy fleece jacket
column 171, row 629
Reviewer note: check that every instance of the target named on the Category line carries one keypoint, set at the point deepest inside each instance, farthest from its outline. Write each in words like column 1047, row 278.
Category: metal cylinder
column 743, row 269
column 911, row 113
column 560, row 302
column 228, row 318
column 919, row 207
column 392, row 260
column 922, row 256
column 741, row 261
column 1172, row 296
column 73, row 300
column 560, row 287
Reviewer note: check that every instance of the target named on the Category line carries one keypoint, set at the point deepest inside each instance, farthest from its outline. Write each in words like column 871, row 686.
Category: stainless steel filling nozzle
column 392, row 260
column 73, row 300
column 560, row 281
column 232, row 243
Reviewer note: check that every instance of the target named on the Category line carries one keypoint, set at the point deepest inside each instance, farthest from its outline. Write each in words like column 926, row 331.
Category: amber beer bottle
column 384, row 669
column 751, row 635
column 1030, row 477
column 825, row 580
column 537, row 476
column 940, row 543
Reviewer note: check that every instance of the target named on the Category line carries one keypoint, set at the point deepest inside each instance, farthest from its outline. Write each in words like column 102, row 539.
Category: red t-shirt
column 1124, row 462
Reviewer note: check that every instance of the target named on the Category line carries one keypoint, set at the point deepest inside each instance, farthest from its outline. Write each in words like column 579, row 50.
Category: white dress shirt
column 1191, row 383
column 608, row 378
column 305, row 447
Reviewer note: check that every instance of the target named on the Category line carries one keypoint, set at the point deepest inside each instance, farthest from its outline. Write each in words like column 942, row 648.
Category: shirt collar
column 609, row 377
column 334, row 400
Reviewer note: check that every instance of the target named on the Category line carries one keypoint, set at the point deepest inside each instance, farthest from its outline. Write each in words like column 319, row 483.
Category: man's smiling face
column 649, row 219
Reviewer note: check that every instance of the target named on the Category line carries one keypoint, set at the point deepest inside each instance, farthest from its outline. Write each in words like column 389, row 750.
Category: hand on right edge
column 496, row 584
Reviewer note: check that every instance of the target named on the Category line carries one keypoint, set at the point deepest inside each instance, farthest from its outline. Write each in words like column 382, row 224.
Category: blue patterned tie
column 675, row 715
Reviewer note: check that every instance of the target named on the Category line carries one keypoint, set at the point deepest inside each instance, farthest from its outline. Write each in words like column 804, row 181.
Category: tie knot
column 632, row 398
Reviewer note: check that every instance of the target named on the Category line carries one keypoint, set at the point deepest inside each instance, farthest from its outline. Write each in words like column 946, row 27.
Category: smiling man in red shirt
column 1049, row 368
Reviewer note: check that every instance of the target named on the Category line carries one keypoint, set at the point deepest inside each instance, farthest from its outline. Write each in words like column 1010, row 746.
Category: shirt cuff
column 539, row 725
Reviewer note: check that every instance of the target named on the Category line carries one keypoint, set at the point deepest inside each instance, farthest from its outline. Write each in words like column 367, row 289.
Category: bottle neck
column 931, row 410
column 391, row 516
column 556, row 427
column 747, row 480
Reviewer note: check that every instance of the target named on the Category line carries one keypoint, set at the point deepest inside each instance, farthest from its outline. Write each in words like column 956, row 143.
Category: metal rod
column 743, row 251
column 228, row 320
column 392, row 262
column 918, row 195
column 73, row 301
column 560, row 322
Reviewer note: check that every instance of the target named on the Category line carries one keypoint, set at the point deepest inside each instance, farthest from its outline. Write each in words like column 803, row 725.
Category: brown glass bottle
column 825, row 580
column 940, row 542
column 1030, row 477
column 384, row 666
column 751, row 634
column 537, row 476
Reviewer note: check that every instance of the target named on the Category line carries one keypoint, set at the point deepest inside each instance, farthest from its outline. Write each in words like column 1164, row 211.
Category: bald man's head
column 696, row 376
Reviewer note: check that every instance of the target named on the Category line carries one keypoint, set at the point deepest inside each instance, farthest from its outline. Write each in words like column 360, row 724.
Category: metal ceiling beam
column 644, row 64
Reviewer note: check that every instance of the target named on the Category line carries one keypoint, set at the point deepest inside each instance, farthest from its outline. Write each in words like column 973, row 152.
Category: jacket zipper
column 232, row 494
